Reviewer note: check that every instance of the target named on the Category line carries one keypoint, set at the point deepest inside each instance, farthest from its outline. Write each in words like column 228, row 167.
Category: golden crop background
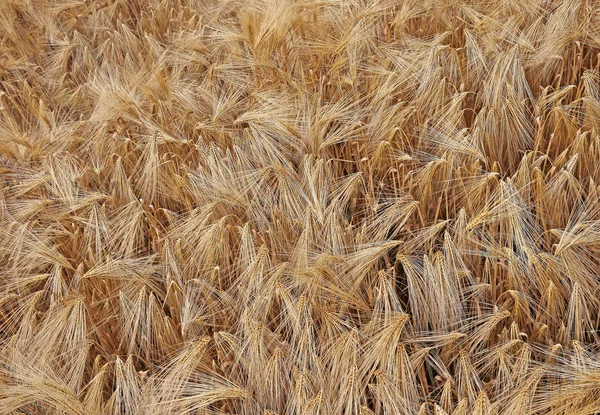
column 299, row 207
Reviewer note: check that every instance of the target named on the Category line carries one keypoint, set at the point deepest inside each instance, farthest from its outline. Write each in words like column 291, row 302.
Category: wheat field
column 282, row 207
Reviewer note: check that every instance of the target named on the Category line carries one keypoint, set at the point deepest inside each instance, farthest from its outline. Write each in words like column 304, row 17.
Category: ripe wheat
column 302, row 207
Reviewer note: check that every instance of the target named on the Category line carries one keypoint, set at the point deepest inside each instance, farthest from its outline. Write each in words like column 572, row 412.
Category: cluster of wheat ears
column 299, row 207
